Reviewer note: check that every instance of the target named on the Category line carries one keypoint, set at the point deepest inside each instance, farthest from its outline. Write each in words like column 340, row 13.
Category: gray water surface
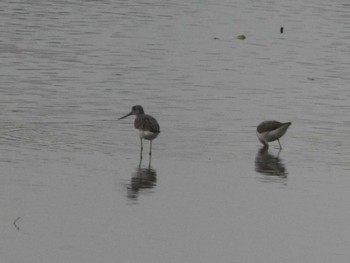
column 71, row 187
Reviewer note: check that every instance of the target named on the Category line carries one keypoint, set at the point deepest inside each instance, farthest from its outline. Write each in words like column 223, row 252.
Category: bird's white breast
column 147, row 135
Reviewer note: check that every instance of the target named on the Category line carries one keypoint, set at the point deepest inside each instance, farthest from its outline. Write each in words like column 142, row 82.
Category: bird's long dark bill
column 125, row 116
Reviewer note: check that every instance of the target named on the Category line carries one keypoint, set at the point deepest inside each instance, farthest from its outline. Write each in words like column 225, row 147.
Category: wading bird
column 269, row 131
column 147, row 125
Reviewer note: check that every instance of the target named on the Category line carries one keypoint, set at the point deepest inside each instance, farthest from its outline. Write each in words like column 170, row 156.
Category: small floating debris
column 216, row 38
column 310, row 78
column 15, row 223
column 241, row 37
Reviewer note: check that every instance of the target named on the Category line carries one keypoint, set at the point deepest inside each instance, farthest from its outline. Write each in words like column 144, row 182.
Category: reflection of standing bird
column 269, row 131
column 147, row 125
column 142, row 181
column 269, row 164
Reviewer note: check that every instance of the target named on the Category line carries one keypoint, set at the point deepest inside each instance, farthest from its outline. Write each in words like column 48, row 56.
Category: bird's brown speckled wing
column 269, row 126
column 147, row 123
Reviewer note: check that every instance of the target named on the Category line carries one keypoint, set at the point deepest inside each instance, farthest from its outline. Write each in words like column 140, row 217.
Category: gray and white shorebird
column 147, row 125
column 269, row 131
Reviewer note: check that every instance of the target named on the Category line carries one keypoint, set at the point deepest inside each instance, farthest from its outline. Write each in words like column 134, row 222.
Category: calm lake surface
column 71, row 187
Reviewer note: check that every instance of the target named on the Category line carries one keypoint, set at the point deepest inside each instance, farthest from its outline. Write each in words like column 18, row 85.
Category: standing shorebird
column 147, row 125
column 269, row 131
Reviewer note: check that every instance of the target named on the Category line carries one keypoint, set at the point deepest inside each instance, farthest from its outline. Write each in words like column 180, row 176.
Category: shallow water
column 71, row 187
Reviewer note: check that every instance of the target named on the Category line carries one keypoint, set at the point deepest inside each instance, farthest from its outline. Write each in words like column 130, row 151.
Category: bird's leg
column 141, row 148
column 140, row 162
column 149, row 162
column 279, row 151
column 150, row 148
column 150, row 153
column 279, row 143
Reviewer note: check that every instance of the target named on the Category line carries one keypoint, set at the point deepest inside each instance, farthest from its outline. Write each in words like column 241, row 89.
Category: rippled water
column 71, row 187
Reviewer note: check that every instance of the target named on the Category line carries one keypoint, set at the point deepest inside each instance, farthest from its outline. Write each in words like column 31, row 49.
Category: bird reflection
column 142, row 181
column 268, row 164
